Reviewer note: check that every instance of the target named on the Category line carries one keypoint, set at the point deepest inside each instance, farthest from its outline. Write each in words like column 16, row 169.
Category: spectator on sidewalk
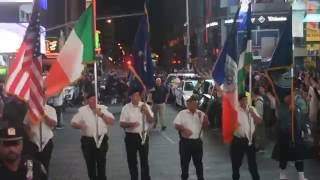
column 159, row 98
column 93, row 120
column 313, row 109
column 57, row 102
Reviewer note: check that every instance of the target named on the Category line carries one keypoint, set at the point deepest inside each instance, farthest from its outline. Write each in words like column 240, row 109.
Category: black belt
column 91, row 137
column 190, row 140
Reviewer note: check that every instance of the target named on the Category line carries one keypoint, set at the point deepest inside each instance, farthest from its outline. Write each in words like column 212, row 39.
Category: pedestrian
column 93, row 121
column 41, row 135
column 57, row 102
column 136, row 118
column 243, row 142
column 313, row 109
column 13, row 165
column 190, row 123
column 260, row 132
column 159, row 98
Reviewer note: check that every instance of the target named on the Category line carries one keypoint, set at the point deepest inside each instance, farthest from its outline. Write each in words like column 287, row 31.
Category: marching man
column 136, row 118
column 190, row 123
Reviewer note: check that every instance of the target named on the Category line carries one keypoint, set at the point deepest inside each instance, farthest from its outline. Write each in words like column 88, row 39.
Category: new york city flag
column 229, row 69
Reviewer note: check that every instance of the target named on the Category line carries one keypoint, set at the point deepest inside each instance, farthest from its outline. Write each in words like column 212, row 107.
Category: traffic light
column 97, row 42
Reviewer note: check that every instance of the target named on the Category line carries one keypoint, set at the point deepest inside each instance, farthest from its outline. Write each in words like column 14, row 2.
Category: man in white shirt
column 243, row 141
column 93, row 121
column 190, row 123
column 136, row 118
column 40, row 136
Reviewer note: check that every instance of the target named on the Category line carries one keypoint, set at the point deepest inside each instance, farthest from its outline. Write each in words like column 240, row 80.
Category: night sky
column 164, row 14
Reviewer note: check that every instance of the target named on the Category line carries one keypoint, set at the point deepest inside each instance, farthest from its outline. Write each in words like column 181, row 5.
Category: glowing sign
column 11, row 35
column 14, row 1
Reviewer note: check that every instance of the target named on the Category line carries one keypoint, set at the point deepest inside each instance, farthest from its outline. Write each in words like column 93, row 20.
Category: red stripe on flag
column 229, row 119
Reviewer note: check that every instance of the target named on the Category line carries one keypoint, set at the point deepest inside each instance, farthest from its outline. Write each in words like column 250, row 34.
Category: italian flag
column 78, row 50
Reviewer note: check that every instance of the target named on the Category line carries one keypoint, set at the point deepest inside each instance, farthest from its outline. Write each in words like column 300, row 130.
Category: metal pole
column 188, row 35
column 71, row 23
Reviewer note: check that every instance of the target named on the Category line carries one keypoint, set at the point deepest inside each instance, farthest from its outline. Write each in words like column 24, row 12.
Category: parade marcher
column 136, row 118
column 290, row 145
column 14, row 166
column 93, row 120
column 190, row 123
column 159, row 98
column 40, row 136
column 243, row 141
column 57, row 102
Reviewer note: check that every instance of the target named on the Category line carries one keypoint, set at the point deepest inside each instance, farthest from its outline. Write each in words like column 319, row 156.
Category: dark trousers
column 191, row 148
column 44, row 156
column 134, row 146
column 59, row 115
column 285, row 153
column 238, row 149
column 95, row 157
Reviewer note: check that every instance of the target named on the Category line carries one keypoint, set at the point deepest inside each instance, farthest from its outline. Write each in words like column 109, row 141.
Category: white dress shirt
column 192, row 121
column 47, row 133
column 132, row 113
column 86, row 116
column 246, row 124
column 259, row 102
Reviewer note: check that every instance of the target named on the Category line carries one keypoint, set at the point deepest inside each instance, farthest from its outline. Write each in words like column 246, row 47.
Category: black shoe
column 59, row 127
column 163, row 128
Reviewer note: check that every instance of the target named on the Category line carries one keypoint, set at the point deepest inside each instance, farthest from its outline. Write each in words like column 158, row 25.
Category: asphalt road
column 67, row 162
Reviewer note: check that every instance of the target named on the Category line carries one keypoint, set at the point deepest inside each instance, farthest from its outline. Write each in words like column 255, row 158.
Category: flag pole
column 94, row 6
column 292, row 87
column 251, row 59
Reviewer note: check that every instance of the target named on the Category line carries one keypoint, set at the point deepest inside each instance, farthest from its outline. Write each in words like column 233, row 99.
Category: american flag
column 25, row 80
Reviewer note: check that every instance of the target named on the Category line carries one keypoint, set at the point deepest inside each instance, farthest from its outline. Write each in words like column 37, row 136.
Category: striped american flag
column 24, row 79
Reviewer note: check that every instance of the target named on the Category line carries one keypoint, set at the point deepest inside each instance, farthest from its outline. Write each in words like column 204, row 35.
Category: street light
column 109, row 21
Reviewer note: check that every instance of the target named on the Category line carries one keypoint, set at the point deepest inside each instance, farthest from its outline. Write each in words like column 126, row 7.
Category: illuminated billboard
column 14, row 1
column 11, row 35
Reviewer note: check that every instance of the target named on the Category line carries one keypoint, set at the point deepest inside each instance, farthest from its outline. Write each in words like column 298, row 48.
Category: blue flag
column 229, row 52
column 142, row 61
column 43, row 4
column 282, row 56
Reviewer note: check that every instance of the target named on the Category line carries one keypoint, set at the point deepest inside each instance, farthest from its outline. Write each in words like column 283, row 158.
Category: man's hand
column 144, row 109
column 186, row 133
column 97, row 111
column 135, row 124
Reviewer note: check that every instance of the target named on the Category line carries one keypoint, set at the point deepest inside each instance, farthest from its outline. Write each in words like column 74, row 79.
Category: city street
column 68, row 164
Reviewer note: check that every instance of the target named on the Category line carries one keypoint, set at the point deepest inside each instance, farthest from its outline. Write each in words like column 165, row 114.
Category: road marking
column 164, row 135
